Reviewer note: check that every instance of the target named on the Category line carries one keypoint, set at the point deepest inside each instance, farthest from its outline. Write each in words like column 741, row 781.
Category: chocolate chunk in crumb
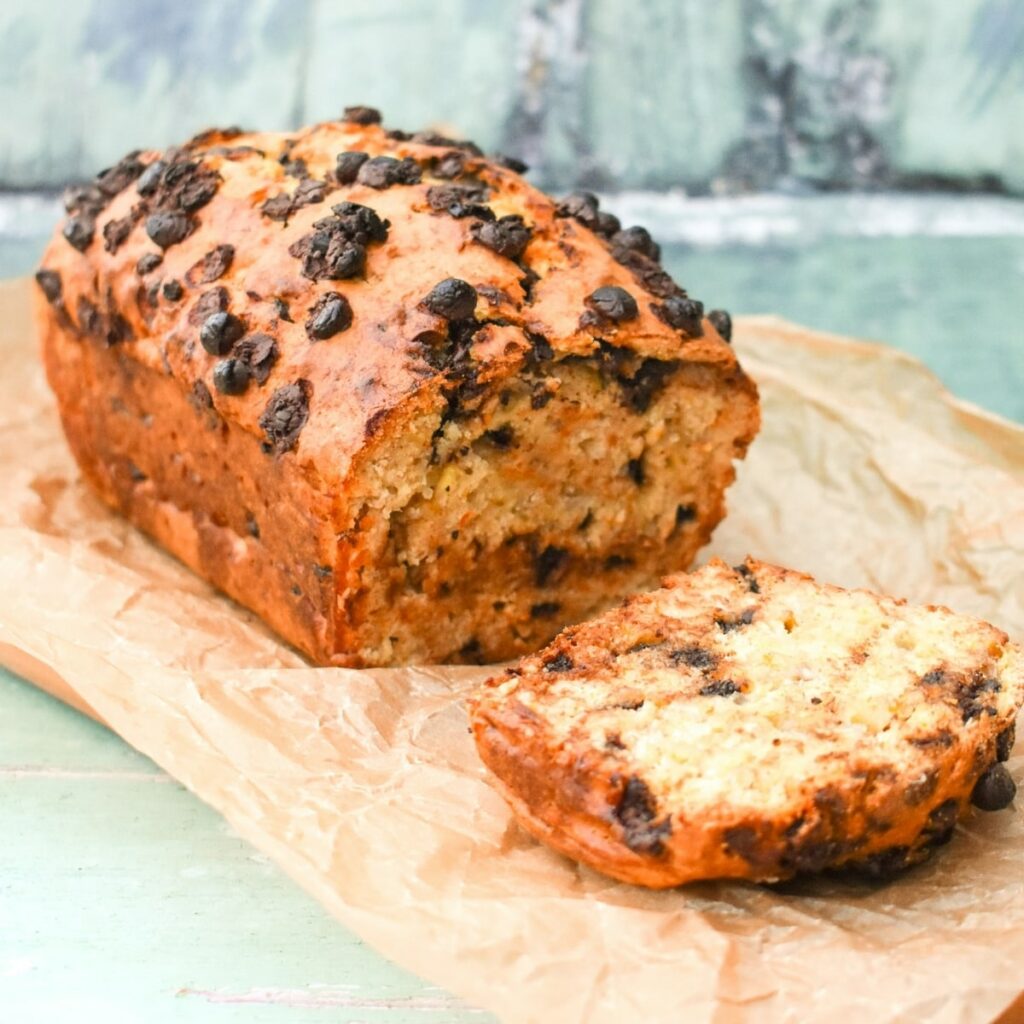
column 148, row 262
column 330, row 315
column 635, row 471
column 685, row 514
column 172, row 290
column 79, row 232
column 694, row 657
column 510, row 162
column 613, row 303
column 561, row 662
column 231, row 376
column 115, row 233
column 252, row 526
column 994, row 790
column 282, row 310
column 50, row 284
column 1004, row 743
column 285, row 415
column 150, row 178
column 167, row 228
column 89, row 319
column 213, row 265
column 545, row 610
column 748, row 577
column 581, row 207
column 502, row 437
column 722, row 322
column 681, row 313
column 259, row 353
column 219, row 332
column 384, row 171
column 719, row 688
column 728, row 625
column 361, row 115
column 639, row 240
column 347, row 165
column 550, row 565
column 636, row 811
column 200, row 398
column 508, row 236
column 453, row 299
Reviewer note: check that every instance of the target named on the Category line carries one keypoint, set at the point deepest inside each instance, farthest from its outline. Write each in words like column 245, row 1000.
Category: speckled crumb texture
column 383, row 392
column 748, row 722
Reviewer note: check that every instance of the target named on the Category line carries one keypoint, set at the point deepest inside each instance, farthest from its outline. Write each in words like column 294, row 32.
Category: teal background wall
column 710, row 95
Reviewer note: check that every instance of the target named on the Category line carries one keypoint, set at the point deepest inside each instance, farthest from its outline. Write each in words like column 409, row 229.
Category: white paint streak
column 33, row 772
column 326, row 999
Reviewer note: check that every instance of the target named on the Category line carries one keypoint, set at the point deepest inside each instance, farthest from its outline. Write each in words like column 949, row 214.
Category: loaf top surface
column 750, row 702
column 335, row 321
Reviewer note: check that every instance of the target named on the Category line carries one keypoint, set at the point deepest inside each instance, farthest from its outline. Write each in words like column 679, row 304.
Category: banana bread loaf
column 750, row 723
column 383, row 392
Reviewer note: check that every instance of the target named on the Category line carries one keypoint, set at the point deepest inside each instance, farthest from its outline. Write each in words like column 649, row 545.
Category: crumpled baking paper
column 365, row 786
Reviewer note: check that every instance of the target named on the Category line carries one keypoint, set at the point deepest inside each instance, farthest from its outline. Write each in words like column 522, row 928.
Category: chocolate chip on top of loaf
column 748, row 722
column 387, row 354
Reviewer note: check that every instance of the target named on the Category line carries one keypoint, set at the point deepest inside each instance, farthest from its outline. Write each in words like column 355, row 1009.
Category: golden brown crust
column 124, row 316
column 752, row 724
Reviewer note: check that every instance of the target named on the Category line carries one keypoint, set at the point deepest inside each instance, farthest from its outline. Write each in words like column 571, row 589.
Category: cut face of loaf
column 750, row 723
column 384, row 393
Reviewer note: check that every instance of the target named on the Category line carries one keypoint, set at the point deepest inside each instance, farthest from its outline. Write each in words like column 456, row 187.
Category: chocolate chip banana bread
column 750, row 723
column 383, row 392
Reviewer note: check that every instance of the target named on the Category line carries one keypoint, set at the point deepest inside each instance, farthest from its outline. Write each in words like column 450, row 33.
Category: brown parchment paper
column 365, row 788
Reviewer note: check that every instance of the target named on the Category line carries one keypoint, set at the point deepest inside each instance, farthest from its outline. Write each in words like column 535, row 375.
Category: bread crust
column 292, row 522
column 866, row 807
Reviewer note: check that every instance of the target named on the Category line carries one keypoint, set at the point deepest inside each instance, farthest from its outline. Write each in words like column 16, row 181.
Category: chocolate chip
column 172, row 290
column 285, row 415
column 167, row 228
column 89, row 319
column 550, row 565
column 502, row 437
column 561, row 662
column 639, row 240
column 685, row 514
column 150, row 178
column 607, row 224
column 117, row 178
column 722, row 322
column 213, row 265
column 612, row 303
column 50, row 284
column 296, row 168
column 994, row 790
column 361, row 115
column 259, row 353
column 1004, row 742
column 508, row 236
column 460, row 201
column 309, row 191
column 545, row 610
column 84, row 199
column 219, row 332
column 510, row 162
column 336, row 248
column 749, row 578
column 719, row 688
column 282, row 310
column 346, row 167
column 453, row 299
column 580, row 206
column 428, row 138
column 330, row 314
column 729, row 625
column 278, row 208
column 357, row 222
column 251, row 526
column 115, row 232
column 231, row 376
column 200, row 398
column 384, row 171
column 635, row 471
column 448, row 166
column 648, row 381
column 79, row 231
column 681, row 313
column 398, row 135
column 636, row 811
column 695, row 657
column 148, row 262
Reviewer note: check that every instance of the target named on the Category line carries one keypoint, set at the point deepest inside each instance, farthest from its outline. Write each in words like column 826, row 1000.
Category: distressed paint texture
column 729, row 96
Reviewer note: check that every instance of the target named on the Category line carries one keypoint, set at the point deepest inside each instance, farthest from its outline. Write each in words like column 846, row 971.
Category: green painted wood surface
column 125, row 900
